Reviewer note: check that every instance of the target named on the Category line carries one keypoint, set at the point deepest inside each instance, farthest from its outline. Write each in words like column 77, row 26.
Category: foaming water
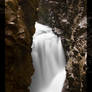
column 48, row 61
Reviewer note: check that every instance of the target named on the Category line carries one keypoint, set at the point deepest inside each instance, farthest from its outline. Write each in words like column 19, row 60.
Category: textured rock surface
column 18, row 39
column 77, row 50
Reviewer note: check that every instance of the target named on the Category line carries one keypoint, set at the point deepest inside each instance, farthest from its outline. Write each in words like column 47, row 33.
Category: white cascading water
column 48, row 61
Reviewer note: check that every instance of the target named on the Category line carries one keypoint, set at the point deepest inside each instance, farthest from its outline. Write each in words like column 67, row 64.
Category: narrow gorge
column 68, row 21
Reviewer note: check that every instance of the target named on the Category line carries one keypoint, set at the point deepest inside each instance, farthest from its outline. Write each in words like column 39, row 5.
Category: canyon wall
column 20, row 17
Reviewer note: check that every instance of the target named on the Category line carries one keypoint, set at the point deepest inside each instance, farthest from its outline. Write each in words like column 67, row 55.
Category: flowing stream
column 48, row 61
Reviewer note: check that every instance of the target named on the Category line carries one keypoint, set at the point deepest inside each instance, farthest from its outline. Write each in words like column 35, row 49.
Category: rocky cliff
column 20, row 18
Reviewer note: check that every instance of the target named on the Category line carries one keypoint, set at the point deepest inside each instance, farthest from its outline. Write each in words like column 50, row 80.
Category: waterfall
column 48, row 61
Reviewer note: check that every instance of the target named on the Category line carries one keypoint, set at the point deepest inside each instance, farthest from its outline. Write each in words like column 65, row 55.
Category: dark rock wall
column 77, row 52
column 20, row 18
column 89, row 43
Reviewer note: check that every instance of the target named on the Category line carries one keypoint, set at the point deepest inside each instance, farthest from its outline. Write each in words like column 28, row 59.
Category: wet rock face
column 69, row 16
column 18, row 39
column 77, row 50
